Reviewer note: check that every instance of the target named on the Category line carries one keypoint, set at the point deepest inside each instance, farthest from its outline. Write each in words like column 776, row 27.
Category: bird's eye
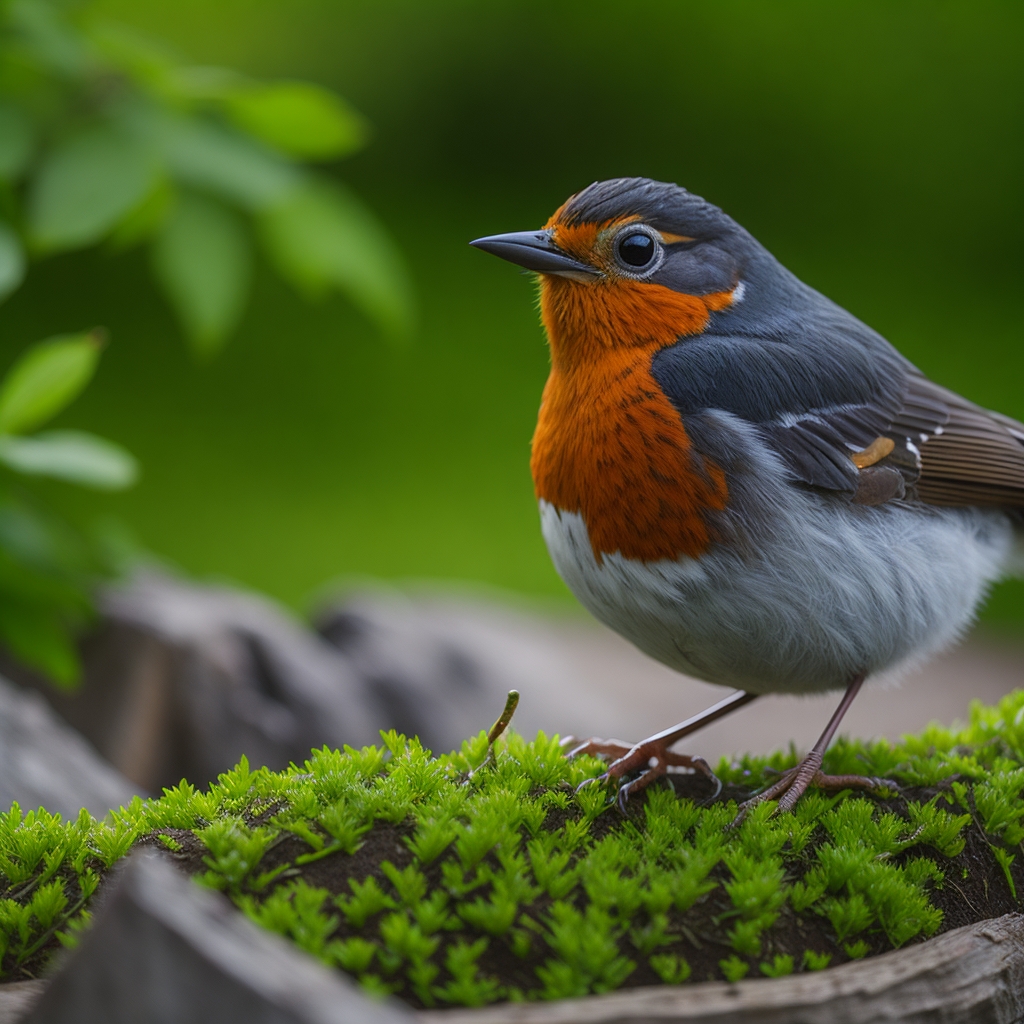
column 637, row 250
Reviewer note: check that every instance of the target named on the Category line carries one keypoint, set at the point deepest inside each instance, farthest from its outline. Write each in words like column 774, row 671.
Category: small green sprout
column 857, row 950
column 587, row 953
column 848, row 915
column 654, row 934
column 781, row 965
column 353, row 955
column 467, row 987
column 522, row 944
column 494, row 916
column 816, row 961
column 746, row 938
column 734, row 969
column 1005, row 860
column 672, row 969
column 409, row 884
column 432, row 914
column 432, row 838
column 366, row 900
column 936, row 827
column 592, row 800
column 73, row 929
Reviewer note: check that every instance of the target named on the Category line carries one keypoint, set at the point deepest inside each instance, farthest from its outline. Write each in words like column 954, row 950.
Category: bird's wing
column 975, row 458
column 818, row 413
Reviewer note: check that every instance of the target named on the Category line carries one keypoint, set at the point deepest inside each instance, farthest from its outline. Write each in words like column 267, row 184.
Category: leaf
column 12, row 260
column 202, row 259
column 142, row 222
column 85, row 186
column 298, row 118
column 48, row 377
column 49, row 557
column 72, row 455
column 323, row 237
column 35, row 637
column 147, row 60
column 48, row 37
column 213, row 158
column 16, row 141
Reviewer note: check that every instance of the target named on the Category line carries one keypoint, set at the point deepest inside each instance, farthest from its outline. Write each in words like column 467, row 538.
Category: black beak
column 534, row 250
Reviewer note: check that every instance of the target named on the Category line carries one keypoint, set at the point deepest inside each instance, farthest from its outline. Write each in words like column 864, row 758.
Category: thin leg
column 794, row 783
column 653, row 755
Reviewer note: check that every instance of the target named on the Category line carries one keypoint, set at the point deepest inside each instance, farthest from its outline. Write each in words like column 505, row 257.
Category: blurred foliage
column 106, row 135
column 46, row 567
column 876, row 149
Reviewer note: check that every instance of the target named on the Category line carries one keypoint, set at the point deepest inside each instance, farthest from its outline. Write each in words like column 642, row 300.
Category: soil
column 975, row 889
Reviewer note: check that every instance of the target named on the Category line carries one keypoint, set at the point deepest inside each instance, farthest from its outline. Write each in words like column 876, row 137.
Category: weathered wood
column 163, row 950
column 973, row 975
column 18, row 998
column 168, row 950
column 43, row 763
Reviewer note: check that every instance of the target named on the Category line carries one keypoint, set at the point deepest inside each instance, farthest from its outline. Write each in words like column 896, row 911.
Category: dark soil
column 975, row 889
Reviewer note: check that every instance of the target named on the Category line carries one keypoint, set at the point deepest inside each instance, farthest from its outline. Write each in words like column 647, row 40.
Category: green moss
column 450, row 883
column 816, row 961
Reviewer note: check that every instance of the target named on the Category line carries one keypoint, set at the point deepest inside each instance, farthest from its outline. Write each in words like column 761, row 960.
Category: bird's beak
column 535, row 250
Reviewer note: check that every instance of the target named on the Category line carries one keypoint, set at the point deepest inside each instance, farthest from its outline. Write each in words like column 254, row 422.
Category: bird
column 743, row 479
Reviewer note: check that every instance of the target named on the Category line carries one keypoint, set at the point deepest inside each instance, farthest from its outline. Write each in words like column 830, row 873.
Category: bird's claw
column 587, row 782
column 717, row 793
column 652, row 757
column 794, row 782
column 623, row 796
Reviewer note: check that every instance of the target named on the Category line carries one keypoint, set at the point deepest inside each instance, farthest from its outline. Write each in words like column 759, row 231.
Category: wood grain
column 973, row 975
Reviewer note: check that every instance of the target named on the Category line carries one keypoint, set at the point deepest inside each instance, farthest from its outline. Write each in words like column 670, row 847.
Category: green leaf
column 48, row 36
column 202, row 259
column 142, row 222
column 71, row 455
column 45, row 379
column 298, row 118
column 36, row 638
column 16, row 141
column 323, row 237
column 12, row 260
column 238, row 169
column 149, row 61
column 85, row 186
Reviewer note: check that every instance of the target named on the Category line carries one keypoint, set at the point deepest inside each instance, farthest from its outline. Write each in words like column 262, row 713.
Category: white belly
column 833, row 590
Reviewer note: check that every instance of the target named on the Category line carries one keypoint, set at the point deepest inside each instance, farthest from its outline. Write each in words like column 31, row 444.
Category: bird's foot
column 652, row 756
column 794, row 783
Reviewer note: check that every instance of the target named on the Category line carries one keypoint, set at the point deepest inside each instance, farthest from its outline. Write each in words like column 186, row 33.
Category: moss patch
column 389, row 864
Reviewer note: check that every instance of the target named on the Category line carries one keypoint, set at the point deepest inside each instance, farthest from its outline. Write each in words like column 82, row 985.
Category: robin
column 742, row 478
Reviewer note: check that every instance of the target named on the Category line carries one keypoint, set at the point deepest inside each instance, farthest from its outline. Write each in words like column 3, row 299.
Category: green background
column 876, row 149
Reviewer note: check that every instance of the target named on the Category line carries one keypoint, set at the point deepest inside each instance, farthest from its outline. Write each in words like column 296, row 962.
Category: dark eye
column 637, row 250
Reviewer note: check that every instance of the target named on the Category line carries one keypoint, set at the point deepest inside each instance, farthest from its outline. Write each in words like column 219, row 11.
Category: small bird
column 743, row 479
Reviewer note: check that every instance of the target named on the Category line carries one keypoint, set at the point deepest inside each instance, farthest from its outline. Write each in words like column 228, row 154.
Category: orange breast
column 609, row 444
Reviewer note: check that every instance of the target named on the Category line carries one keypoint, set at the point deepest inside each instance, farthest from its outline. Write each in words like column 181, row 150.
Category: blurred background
column 877, row 150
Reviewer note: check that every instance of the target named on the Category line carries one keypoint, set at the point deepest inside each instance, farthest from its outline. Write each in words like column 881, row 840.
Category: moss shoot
column 424, row 877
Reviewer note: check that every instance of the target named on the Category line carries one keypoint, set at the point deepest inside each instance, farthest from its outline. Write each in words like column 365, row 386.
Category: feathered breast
column 609, row 444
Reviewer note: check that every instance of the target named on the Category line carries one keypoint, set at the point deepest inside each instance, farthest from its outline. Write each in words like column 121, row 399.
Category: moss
column 470, row 878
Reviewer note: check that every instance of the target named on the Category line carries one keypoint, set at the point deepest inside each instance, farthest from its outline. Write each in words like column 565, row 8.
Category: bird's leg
column 652, row 754
column 793, row 783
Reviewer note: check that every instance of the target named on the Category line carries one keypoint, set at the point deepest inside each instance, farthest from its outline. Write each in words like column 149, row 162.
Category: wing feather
column 816, row 402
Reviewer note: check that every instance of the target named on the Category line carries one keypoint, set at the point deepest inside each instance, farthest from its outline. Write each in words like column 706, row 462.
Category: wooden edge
column 17, row 998
column 971, row 975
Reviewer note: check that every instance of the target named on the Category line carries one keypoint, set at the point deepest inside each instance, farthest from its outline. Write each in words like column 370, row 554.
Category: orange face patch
column 609, row 444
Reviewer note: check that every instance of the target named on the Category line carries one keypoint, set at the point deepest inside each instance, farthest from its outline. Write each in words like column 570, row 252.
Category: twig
column 494, row 734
